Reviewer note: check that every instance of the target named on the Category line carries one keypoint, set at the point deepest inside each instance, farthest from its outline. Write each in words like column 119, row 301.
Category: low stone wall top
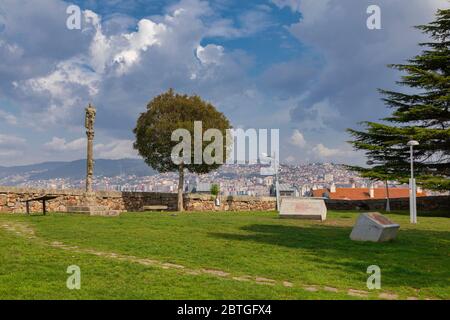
column 80, row 192
column 56, row 192
column 11, row 201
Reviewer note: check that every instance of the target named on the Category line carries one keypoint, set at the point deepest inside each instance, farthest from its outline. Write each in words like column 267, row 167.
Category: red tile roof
column 363, row 193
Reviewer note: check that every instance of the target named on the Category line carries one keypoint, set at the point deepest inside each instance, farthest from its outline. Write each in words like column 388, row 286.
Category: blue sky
column 308, row 67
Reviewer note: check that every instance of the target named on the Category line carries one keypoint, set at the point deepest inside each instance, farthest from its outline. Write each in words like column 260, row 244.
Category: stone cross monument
column 89, row 124
column 89, row 203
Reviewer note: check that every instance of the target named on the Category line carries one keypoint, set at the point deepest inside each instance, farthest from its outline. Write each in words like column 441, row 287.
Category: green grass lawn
column 304, row 259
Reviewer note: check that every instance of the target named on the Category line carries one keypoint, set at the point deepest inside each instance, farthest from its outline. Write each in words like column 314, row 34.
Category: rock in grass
column 374, row 227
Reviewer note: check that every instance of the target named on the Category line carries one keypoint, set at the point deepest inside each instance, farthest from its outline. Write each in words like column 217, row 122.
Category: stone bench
column 155, row 208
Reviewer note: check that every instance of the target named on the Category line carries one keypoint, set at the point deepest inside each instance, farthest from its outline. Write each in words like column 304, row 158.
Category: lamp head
column 413, row 143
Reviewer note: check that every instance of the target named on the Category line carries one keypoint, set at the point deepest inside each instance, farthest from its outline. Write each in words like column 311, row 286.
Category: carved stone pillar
column 89, row 124
column 89, row 204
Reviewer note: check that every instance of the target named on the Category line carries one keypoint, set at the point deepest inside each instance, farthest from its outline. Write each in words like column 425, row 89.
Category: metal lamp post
column 388, row 205
column 412, row 184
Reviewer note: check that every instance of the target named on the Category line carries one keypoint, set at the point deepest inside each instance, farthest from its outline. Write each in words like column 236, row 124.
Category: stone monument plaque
column 375, row 227
column 303, row 208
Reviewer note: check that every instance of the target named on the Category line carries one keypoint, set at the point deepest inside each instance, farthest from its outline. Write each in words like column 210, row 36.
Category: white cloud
column 10, row 153
column 321, row 115
column 67, row 73
column 210, row 54
column 148, row 34
column 10, row 49
column 297, row 139
column 100, row 47
column 11, row 146
column 60, row 144
column 117, row 149
column 71, row 84
column 8, row 117
column 7, row 140
column 342, row 153
column 317, row 151
column 323, row 152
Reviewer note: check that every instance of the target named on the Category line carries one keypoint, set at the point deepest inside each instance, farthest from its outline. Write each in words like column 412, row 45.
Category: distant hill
column 77, row 169
column 29, row 169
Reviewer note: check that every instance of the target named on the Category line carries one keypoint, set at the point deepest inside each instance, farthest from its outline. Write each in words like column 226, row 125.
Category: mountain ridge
column 77, row 169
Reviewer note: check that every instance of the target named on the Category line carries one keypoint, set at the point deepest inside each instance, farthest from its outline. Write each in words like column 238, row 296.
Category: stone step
column 94, row 211
column 155, row 208
column 76, row 209
column 106, row 213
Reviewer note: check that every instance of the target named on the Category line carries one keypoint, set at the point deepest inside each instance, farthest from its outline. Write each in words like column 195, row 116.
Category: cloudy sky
column 308, row 67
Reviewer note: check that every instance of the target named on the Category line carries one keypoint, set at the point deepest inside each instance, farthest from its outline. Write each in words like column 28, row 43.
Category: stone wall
column 201, row 202
column 434, row 203
column 195, row 202
column 11, row 201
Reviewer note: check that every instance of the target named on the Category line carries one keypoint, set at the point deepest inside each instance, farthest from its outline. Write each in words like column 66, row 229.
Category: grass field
column 218, row 256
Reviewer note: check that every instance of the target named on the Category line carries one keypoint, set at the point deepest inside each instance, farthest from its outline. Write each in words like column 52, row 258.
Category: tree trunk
column 180, row 187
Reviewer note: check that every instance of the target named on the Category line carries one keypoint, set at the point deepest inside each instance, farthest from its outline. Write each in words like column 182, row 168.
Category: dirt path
column 23, row 230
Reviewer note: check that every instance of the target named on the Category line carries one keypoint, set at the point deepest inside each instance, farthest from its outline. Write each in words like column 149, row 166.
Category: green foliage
column 166, row 113
column 215, row 190
column 422, row 114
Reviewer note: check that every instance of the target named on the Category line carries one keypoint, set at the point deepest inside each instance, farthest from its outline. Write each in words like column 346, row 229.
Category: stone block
column 375, row 227
column 3, row 199
column 303, row 208
column 94, row 210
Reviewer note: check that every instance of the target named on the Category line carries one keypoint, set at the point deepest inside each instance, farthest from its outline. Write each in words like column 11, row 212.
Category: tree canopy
column 167, row 113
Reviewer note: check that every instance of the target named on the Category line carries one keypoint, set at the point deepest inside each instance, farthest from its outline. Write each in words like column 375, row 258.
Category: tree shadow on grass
column 417, row 258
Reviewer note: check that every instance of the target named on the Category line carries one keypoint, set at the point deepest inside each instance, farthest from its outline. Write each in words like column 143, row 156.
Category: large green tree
column 168, row 113
column 420, row 113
